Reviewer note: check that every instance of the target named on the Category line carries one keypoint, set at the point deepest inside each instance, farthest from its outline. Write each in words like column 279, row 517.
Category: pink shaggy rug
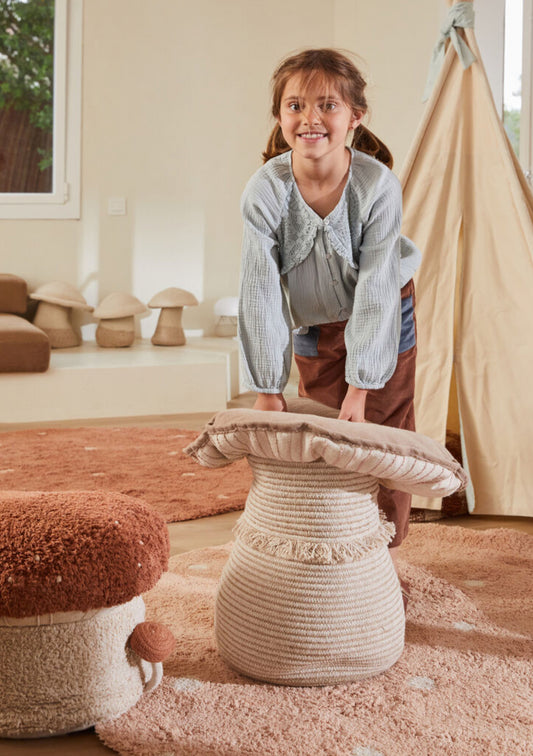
column 147, row 463
column 462, row 686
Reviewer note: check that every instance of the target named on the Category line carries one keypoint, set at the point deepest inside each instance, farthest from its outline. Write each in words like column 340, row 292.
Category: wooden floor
column 186, row 536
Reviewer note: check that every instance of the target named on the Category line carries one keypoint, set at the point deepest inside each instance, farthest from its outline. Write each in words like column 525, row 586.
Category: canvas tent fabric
column 468, row 206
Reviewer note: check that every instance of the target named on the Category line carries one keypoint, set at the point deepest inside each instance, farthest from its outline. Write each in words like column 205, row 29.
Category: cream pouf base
column 72, row 673
column 309, row 595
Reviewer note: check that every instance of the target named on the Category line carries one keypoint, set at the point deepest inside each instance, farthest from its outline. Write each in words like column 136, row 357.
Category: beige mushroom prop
column 227, row 311
column 117, row 322
column 56, row 302
column 169, row 331
column 310, row 595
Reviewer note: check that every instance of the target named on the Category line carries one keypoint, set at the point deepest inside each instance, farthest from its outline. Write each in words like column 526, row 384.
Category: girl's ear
column 356, row 120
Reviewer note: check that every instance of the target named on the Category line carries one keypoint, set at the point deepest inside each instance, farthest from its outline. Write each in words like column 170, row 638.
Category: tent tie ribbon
column 460, row 15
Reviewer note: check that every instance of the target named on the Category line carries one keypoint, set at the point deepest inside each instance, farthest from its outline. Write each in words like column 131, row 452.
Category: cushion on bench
column 13, row 294
column 24, row 348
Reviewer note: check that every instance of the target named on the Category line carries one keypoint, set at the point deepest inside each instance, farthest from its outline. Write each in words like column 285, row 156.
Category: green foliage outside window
column 511, row 121
column 27, row 62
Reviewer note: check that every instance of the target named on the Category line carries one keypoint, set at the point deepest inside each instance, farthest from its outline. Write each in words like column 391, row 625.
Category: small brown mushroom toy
column 74, row 644
column 117, row 323
column 310, row 595
column 169, row 331
column 56, row 301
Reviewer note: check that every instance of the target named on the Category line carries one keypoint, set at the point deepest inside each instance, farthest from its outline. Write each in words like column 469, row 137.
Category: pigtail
column 276, row 144
column 365, row 141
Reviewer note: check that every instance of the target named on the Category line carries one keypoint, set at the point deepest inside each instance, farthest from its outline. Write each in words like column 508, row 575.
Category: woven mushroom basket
column 74, row 647
column 309, row 595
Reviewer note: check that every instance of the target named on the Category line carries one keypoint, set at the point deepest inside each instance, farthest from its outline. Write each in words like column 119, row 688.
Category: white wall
column 175, row 115
column 394, row 41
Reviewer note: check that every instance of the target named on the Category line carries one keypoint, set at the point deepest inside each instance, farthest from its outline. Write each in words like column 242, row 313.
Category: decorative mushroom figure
column 227, row 311
column 74, row 646
column 169, row 331
column 56, row 301
column 310, row 595
column 117, row 323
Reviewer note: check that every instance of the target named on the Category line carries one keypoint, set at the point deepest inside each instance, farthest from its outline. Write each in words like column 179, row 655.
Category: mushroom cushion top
column 399, row 459
column 76, row 551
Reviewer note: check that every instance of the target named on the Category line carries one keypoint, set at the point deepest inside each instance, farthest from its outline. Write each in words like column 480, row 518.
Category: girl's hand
column 353, row 406
column 270, row 403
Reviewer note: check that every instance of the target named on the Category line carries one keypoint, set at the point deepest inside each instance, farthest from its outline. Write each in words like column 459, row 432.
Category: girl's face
column 314, row 120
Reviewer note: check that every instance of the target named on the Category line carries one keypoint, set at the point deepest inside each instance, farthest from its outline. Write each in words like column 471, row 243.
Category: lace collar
column 300, row 223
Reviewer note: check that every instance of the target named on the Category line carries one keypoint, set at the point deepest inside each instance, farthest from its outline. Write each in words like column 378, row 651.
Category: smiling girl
column 324, row 268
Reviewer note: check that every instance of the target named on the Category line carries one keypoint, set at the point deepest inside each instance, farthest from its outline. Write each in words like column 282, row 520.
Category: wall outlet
column 116, row 206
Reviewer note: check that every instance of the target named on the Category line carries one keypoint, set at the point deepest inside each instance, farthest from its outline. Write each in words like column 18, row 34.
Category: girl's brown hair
column 337, row 70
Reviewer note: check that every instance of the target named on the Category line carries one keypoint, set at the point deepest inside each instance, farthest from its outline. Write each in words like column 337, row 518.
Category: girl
column 322, row 253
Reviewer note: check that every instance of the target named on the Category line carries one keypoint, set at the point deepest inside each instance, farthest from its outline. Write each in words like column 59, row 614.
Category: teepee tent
column 468, row 207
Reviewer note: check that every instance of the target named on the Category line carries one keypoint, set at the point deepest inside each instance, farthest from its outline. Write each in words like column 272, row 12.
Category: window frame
column 64, row 199
column 526, row 113
column 490, row 33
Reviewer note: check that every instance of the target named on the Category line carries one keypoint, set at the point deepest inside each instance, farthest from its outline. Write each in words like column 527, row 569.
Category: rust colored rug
column 147, row 463
column 463, row 686
column 140, row 461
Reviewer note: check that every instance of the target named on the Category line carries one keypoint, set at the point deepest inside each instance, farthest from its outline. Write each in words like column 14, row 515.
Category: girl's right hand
column 270, row 403
column 353, row 406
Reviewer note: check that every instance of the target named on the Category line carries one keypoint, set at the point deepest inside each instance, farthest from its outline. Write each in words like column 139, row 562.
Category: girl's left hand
column 353, row 406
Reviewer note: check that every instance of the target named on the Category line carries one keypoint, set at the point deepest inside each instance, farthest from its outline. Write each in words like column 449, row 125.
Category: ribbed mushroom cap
column 76, row 550
column 119, row 305
column 61, row 293
column 173, row 297
column 399, row 459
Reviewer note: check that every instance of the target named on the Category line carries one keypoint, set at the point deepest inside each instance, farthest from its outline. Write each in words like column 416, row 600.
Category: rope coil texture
column 309, row 595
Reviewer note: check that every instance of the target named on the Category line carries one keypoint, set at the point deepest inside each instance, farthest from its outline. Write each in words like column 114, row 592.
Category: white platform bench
column 89, row 382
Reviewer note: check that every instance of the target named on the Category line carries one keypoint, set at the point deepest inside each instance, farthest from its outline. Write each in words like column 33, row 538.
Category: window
column 526, row 111
column 504, row 30
column 512, row 72
column 40, row 108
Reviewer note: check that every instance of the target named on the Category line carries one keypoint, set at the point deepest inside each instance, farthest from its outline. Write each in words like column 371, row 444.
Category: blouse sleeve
column 410, row 259
column 373, row 331
column 264, row 320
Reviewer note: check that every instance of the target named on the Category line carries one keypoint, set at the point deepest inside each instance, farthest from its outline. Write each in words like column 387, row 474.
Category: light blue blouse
column 299, row 269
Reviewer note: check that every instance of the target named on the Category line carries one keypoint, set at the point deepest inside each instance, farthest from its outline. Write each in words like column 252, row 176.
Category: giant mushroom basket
column 309, row 595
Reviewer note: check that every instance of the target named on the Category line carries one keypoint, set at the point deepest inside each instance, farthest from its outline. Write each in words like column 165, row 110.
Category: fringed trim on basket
column 315, row 552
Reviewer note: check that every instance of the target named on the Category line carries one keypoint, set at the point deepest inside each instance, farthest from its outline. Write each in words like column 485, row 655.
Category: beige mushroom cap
column 61, row 293
column 119, row 305
column 173, row 297
column 398, row 459
column 227, row 306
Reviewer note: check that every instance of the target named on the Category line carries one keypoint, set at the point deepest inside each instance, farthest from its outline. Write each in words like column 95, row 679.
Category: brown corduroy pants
column 322, row 377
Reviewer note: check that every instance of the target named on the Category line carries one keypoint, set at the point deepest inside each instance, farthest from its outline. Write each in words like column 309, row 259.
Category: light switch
column 116, row 206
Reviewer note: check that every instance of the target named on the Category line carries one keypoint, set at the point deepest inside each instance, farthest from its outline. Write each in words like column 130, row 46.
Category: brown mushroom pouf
column 169, row 330
column 309, row 595
column 74, row 647
column 56, row 302
column 116, row 327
